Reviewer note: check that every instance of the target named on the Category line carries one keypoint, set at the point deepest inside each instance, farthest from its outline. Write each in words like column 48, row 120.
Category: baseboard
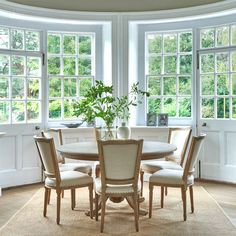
column 214, row 181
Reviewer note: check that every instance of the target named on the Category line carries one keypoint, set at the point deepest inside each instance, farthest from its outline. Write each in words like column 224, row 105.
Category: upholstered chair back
column 120, row 160
column 56, row 134
column 47, row 155
column 193, row 154
column 180, row 138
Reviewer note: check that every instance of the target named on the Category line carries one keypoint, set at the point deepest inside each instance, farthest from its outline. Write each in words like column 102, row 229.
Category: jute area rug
column 208, row 218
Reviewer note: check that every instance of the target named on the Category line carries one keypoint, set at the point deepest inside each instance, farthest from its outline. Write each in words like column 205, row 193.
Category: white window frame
column 102, row 31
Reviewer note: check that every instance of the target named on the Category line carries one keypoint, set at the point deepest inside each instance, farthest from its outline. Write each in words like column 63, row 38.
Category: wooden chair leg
column 183, row 192
column 96, row 206
column 136, row 213
column 166, row 191
column 103, row 212
column 46, row 193
column 141, row 180
column 162, row 196
column 58, row 206
column 150, row 199
column 49, row 195
column 91, row 200
column 72, row 199
column 191, row 198
column 62, row 193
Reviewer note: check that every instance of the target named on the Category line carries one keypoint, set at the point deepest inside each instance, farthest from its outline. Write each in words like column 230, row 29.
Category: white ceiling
column 114, row 5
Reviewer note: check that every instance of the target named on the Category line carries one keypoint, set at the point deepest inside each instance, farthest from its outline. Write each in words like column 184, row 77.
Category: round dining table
column 88, row 151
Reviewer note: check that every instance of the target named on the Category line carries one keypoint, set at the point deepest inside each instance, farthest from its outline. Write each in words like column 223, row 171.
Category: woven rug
column 208, row 218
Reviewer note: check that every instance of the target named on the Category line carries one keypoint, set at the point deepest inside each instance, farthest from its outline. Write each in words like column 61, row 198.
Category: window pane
column 169, row 85
column 54, row 65
column 18, row 88
column 154, row 85
column 68, row 109
column 222, row 36
column 184, row 107
column 222, row 62
column 33, row 88
column 18, row 65
column 54, row 42
column 185, row 64
column 69, row 65
column 233, row 35
column 154, row 66
column 33, row 111
column 4, row 87
column 234, row 84
column 154, row 43
column 223, row 84
column 84, row 66
column 4, row 65
column 223, row 108
column 54, row 109
column 33, row 66
column 233, row 61
column 84, row 85
column 18, row 112
column 185, row 44
column 184, row 85
column 54, row 87
column 208, row 108
column 32, row 40
column 4, row 112
column 154, row 105
column 69, row 44
column 170, row 106
column 207, row 37
column 207, row 63
column 4, row 38
column 85, row 43
column 170, row 43
column 69, row 87
column 207, row 84
column 170, row 64
column 234, row 108
column 17, row 39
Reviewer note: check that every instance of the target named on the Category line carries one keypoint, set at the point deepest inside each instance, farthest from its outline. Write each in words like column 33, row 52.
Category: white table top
column 88, row 150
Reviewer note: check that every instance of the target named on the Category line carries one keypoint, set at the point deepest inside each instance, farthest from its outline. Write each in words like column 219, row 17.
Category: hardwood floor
column 14, row 198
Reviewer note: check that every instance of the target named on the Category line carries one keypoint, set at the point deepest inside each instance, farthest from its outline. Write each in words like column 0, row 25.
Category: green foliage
column 99, row 102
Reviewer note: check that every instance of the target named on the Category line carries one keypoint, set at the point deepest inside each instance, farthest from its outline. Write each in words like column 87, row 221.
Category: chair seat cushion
column 81, row 167
column 115, row 189
column 153, row 166
column 172, row 177
column 70, row 179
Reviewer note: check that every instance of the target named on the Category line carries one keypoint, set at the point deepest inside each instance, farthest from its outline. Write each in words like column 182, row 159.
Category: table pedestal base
column 142, row 212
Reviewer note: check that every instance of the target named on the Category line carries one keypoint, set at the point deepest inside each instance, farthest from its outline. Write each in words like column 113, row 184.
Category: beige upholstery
column 60, row 180
column 180, row 138
column 178, row 178
column 153, row 166
column 120, row 165
column 56, row 134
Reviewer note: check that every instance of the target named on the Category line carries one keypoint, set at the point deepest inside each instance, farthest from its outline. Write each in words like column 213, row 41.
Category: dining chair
column 179, row 137
column 178, row 178
column 60, row 180
column 120, row 165
column 56, row 134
